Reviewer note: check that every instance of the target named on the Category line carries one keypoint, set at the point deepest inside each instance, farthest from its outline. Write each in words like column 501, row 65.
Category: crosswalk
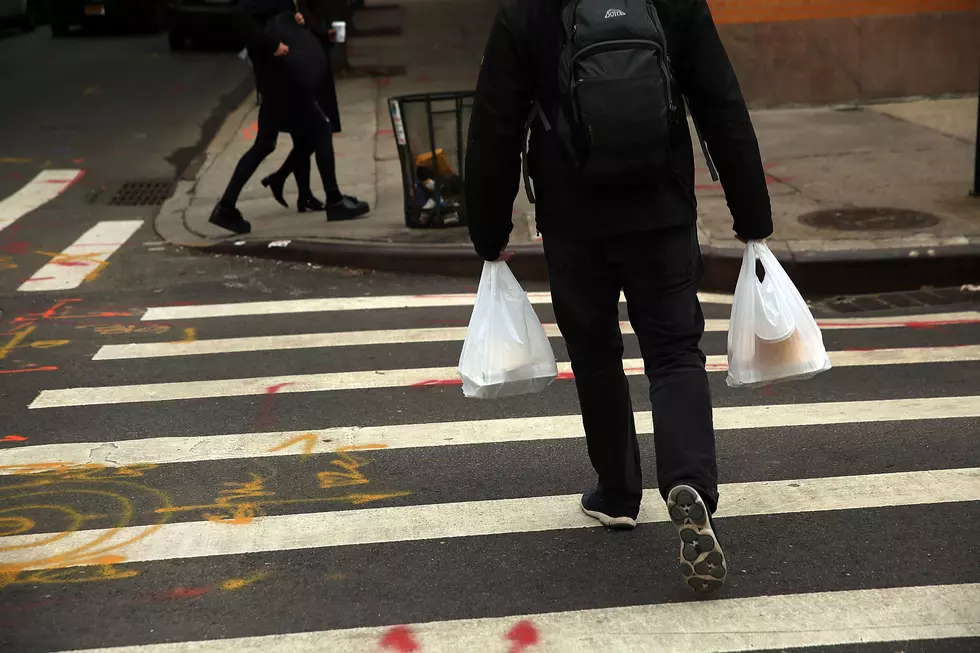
column 82, row 260
column 323, row 453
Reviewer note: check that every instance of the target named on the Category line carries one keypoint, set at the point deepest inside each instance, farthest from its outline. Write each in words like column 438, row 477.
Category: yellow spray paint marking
column 122, row 329
column 16, row 340
column 7, row 263
column 14, row 159
column 358, row 499
column 60, row 258
column 233, row 584
column 190, row 335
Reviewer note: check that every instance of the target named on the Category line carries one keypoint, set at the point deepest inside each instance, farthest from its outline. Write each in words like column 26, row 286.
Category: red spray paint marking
column 178, row 593
column 436, row 382
column 385, row 132
column 400, row 639
column 14, row 438
column 251, row 131
column 523, row 635
column 15, row 248
column 78, row 178
column 768, row 391
column 78, row 161
column 910, row 324
column 39, row 279
column 267, row 415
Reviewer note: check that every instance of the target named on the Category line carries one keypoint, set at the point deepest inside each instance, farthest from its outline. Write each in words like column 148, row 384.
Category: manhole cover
column 868, row 219
column 142, row 193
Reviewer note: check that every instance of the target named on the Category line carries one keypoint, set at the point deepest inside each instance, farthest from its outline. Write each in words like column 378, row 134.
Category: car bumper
column 79, row 11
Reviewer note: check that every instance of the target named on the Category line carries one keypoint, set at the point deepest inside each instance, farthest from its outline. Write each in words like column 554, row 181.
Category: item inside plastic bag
column 772, row 335
column 506, row 351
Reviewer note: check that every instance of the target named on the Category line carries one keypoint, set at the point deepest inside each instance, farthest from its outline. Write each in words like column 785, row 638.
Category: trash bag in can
column 430, row 131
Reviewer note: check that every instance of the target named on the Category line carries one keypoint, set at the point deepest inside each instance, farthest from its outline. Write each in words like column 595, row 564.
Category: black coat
column 288, row 84
column 520, row 64
column 317, row 17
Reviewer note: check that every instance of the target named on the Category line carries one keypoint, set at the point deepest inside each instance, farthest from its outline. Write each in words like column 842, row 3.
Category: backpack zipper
column 648, row 45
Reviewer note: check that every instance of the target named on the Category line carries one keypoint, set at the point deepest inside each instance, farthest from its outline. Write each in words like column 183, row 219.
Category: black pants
column 311, row 133
column 659, row 272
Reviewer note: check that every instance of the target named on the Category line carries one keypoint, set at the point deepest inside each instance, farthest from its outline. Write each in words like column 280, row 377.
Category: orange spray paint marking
column 524, row 634
column 14, row 438
column 46, row 368
column 251, row 131
column 308, row 440
column 400, row 639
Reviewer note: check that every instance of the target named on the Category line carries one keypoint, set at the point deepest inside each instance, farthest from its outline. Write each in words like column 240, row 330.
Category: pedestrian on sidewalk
column 287, row 81
column 599, row 86
column 314, row 15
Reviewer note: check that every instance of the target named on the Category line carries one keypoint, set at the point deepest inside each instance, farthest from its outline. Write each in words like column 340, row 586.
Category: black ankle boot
column 276, row 185
column 230, row 218
column 348, row 208
column 310, row 203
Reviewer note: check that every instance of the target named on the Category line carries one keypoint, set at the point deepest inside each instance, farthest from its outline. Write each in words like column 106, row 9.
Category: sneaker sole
column 703, row 563
column 615, row 523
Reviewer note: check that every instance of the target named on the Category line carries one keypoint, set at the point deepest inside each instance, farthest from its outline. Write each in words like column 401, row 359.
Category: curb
column 826, row 273
column 816, row 273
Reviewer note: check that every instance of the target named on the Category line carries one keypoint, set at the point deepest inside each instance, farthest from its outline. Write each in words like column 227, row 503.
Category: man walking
column 600, row 85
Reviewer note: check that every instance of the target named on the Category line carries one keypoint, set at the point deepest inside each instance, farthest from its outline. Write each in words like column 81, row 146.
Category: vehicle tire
column 178, row 41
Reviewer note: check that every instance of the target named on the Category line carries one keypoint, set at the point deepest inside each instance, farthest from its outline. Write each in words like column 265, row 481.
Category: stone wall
column 835, row 51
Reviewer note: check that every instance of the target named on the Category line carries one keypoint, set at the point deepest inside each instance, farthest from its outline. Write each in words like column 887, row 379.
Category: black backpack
column 616, row 91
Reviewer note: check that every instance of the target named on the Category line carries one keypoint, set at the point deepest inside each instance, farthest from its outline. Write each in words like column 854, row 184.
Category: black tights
column 316, row 142
column 312, row 134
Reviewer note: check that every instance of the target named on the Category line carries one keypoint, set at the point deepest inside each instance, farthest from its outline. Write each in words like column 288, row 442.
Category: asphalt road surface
column 247, row 455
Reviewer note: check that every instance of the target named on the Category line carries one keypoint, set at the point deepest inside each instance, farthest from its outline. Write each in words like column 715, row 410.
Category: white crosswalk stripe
column 332, row 304
column 199, row 539
column 452, row 334
column 84, row 258
column 789, row 621
column 165, row 450
column 166, row 376
column 46, row 186
column 436, row 376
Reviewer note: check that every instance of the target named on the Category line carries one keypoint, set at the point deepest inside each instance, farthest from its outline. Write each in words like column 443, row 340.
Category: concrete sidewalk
column 865, row 198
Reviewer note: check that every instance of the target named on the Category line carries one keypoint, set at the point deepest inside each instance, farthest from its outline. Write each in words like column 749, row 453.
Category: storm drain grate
column 143, row 193
column 900, row 300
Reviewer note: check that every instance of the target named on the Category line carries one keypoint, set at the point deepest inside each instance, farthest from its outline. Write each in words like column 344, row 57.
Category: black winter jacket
column 520, row 64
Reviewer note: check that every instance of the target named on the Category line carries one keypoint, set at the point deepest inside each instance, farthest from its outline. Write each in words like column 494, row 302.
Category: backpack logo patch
column 615, row 13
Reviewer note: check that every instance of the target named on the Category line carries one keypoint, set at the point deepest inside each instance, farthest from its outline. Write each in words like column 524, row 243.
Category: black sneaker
column 229, row 218
column 702, row 560
column 596, row 506
column 348, row 208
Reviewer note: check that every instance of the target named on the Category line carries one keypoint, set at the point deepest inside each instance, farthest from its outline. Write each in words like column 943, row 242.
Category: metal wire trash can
column 430, row 131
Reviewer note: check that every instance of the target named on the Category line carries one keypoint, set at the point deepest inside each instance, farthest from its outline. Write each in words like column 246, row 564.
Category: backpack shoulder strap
column 697, row 129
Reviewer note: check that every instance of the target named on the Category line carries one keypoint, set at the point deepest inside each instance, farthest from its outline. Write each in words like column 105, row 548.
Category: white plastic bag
column 506, row 351
column 772, row 335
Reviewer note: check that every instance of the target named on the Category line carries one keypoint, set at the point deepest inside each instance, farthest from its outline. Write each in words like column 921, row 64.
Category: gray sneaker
column 702, row 560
